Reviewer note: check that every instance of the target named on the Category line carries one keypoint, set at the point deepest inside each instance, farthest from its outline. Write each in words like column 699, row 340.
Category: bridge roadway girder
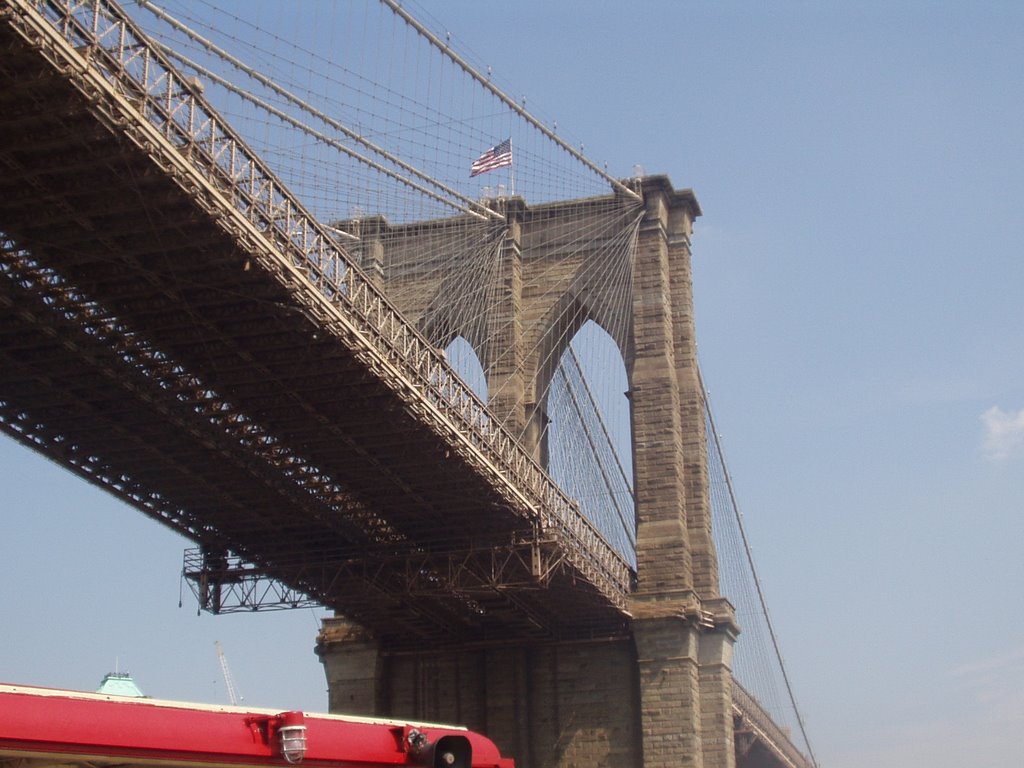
column 148, row 348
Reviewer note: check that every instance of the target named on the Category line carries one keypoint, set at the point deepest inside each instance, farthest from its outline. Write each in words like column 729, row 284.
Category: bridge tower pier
column 547, row 704
column 661, row 694
column 682, row 628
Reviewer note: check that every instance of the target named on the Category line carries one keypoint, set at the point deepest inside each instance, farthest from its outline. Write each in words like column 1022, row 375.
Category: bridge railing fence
column 174, row 105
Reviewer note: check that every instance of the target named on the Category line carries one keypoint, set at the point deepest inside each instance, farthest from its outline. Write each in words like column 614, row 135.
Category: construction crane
column 228, row 681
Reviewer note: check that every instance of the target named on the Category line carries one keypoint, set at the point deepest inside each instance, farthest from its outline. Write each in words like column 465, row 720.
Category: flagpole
column 511, row 171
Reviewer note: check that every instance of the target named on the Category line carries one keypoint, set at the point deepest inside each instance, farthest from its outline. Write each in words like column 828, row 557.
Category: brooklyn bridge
column 379, row 390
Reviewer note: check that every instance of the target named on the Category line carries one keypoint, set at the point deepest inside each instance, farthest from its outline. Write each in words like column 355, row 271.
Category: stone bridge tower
column 661, row 693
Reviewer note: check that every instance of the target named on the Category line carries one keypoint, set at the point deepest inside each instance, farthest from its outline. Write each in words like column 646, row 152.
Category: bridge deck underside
column 141, row 346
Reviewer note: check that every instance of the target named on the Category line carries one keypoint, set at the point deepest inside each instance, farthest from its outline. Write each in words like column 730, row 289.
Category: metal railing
column 760, row 722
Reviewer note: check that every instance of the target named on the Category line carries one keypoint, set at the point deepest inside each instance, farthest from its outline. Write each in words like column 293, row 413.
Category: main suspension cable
column 505, row 98
column 753, row 571
column 469, row 206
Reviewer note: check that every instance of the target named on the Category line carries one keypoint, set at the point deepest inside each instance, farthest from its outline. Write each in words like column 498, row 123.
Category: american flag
column 497, row 156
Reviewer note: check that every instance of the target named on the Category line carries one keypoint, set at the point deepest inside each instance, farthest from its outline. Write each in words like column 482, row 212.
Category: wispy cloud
column 1004, row 432
column 974, row 720
column 1012, row 659
column 996, row 681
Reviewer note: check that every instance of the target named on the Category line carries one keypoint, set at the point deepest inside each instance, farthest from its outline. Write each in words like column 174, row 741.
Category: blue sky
column 858, row 279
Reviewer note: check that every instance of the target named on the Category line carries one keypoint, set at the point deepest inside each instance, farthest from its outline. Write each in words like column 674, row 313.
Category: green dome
column 119, row 684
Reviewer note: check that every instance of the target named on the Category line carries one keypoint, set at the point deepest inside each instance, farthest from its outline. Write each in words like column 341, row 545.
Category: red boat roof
column 38, row 724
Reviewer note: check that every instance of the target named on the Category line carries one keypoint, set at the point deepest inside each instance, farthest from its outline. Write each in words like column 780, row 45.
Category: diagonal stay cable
column 242, row 93
column 594, row 408
column 591, row 441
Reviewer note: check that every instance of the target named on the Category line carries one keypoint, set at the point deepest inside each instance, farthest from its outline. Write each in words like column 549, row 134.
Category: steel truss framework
column 226, row 583
column 177, row 329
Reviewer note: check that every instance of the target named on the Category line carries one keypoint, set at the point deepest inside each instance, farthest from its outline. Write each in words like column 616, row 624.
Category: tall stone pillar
column 663, row 548
column 717, row 619
column 704, row 562
column 502, row 353
column 682, row 629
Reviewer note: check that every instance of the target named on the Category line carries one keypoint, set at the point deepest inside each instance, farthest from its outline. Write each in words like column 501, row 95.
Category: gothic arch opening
column 463, row 358
column 588, row 434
